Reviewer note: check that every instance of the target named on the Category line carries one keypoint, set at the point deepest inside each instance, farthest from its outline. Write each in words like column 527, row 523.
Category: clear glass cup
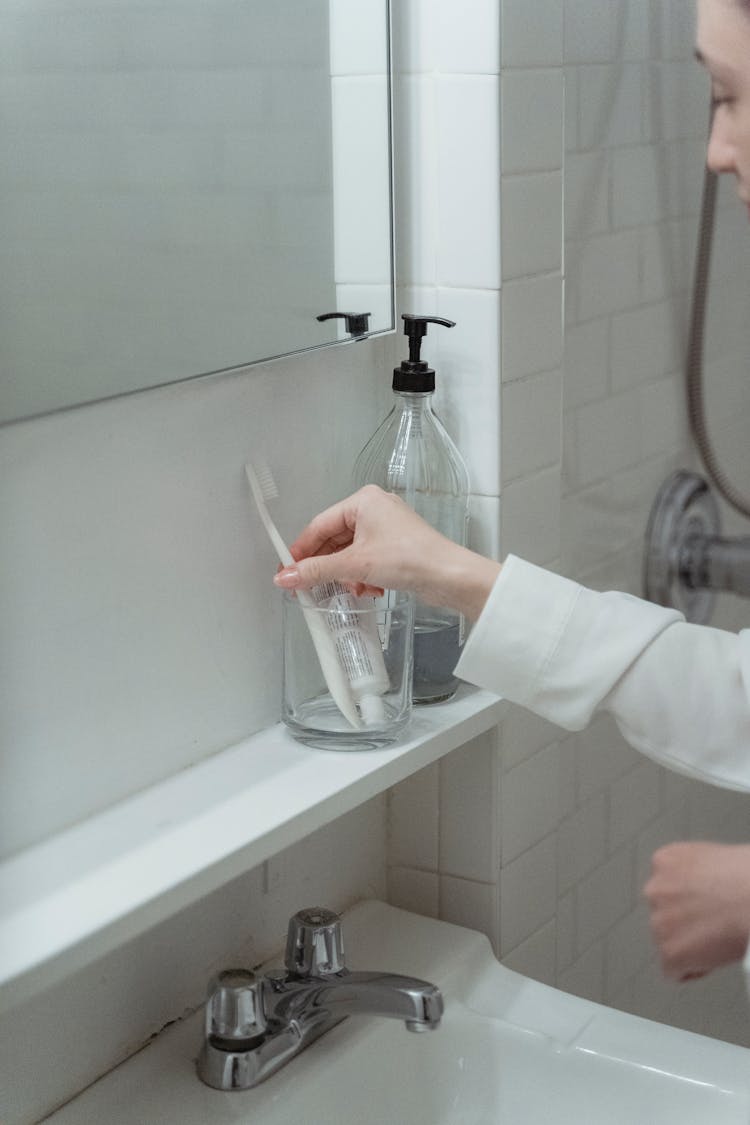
column 373, row 639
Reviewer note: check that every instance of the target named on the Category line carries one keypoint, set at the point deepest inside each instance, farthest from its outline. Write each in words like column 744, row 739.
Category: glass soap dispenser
column 412, row 455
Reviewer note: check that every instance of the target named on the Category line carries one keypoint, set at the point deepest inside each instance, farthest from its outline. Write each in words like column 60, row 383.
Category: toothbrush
column 263, row 487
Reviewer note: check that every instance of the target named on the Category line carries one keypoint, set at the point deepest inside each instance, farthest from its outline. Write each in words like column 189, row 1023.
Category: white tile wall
column 531, row 35
column 580, row 818
column 468, row 822
column 531, row 516
column 532, row 213
column 467, row 178
column 635, row 128
column 528, row 893
column 532, row 120
column 532, row 337
column 528, row 802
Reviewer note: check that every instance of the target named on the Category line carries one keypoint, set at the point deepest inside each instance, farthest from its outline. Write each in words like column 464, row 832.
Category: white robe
column 679, row 693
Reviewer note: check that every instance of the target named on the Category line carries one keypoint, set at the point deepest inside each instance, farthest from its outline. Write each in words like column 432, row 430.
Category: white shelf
column 87, row 890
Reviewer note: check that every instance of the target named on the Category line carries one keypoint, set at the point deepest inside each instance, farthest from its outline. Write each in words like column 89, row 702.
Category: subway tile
column 592, row 528
column 532, row 103
column 532, row 336
column 585, row 977
column 467, row 36
column 676, row 100
column 665, row 423
column 416, row 172
column 606, row 272
column 468, row 241
column 567, row 796
column 470, row 904
column 684, row 166
column 524, row 734
column 633, row 492
column 581, row 843
column 565, row 920
column 677, row 38
column 719, row 814
column 603, row 755
column 418, row 891
column 587, row 191
column 638, row 41
column 586, row 362
column 621, row 571
column 608, row 437
column 531, row 224
column 644, row 345
column 728, row 395
column 418, row 300
column 414, row 34
column 528, row 894
column 532, row 34
column 610, row 105
column 604, row 897
column 572, row 116
column 589, row 31
column 413, row 820
column 468, row 810
column 653, row 995
column 531, row 425
column 528, row 803
column 466, row 359
column 627, row 950
column 639, row 186
column 358, row 37
column 530, row 517
column 536, row 957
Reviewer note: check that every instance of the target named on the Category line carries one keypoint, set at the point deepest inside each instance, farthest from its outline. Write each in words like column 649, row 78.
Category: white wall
column 563, row 827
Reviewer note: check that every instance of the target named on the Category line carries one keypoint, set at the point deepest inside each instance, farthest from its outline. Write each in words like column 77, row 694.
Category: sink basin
column 509, row 1050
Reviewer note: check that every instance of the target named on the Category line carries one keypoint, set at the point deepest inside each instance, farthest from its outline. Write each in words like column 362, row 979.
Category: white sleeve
column 678, row 692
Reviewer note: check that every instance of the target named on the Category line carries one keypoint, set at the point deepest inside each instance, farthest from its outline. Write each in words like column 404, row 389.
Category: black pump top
column 357, row 324
column 414, row 374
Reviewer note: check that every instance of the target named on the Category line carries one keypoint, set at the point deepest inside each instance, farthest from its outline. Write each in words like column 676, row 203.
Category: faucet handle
column 314, row 944
column 234, row 1012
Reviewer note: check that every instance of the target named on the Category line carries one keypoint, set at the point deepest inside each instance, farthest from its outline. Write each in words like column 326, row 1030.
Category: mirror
column 185, row 187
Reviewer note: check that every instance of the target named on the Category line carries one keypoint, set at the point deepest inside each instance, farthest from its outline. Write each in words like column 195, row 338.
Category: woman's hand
column 699, row 897
column 373, row 540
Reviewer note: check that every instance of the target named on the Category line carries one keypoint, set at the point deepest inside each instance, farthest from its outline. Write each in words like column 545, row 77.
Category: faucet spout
column 417, row 1002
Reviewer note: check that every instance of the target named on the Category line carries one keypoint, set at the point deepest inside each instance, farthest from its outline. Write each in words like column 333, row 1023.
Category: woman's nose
column 721, row 156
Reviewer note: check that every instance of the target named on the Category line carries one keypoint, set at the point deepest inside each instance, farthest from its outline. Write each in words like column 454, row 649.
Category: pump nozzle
column 414, row 374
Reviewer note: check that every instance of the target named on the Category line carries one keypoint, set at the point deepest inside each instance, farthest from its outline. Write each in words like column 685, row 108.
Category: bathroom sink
column 509, row 1050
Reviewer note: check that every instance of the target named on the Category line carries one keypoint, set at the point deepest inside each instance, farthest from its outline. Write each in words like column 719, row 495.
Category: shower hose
column 694, row 366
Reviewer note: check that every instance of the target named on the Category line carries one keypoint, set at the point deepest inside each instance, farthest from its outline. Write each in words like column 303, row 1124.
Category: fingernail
column 288, row 578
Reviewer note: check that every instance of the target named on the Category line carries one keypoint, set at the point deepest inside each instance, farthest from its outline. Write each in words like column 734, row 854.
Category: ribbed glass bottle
column 412, row 455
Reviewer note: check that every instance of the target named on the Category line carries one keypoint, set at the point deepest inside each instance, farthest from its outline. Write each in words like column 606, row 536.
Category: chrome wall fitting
column 685, row 558
column 256, row 1024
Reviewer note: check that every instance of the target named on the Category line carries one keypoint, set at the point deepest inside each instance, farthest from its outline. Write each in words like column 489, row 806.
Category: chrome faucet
column 255, row 1024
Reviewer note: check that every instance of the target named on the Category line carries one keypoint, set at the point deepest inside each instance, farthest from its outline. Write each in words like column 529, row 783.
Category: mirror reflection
column 185, row 188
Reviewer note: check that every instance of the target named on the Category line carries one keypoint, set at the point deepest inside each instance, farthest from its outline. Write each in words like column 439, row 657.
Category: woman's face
column 723, row 46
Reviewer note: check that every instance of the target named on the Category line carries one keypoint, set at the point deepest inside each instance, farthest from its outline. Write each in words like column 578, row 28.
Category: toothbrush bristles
column 265, row 480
